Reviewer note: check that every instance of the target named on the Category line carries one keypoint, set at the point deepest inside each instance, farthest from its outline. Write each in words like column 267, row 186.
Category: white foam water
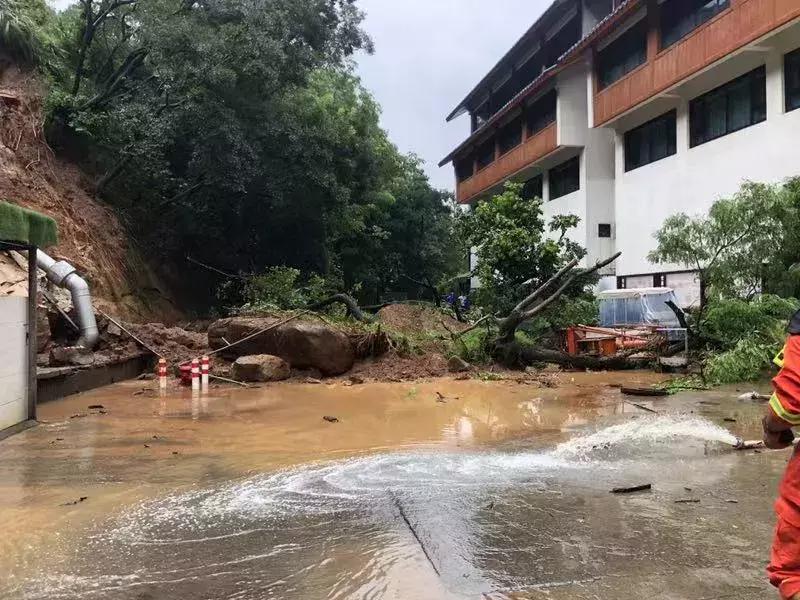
column 352, row 484
column 650, row 431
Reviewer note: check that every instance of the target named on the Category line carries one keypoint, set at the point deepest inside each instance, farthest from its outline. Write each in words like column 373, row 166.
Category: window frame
column 662, row 45
column 791, row 104
column 542, row 113
column 757, row 77
column 461, row 175
column 558, row 171
column 539, row 179
column 479, row 165
column 511, row 132
column 640, row 28
column 671, row 118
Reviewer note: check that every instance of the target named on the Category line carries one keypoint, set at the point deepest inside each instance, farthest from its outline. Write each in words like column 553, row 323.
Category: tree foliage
column 517, row 249
column 234, row 131
column 746, row 243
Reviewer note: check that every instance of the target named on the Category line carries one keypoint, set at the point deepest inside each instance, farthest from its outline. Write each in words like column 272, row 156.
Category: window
column 541, row 113
column 485, row 155
column 565, row 178
column 660, row 280
column 464, row 168
column 650, row 142
column 604, row 230
column 680, row 17
column 533, row 188
column 510, row 136
column 729, row 108
column 622, row 283
column 622, row 55
column 792, row 75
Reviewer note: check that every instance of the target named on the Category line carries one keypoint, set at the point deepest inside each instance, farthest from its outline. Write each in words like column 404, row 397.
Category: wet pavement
column 442, row 489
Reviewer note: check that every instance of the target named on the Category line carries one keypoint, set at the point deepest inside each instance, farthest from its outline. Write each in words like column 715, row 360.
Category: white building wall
column 13, row 360
column 694, row 178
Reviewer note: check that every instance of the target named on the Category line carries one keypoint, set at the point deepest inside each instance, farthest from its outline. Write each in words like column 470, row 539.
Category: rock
column 456, row 364
column 114, row 331
column 43, row 360
column 261, row 367
column 303, row 345
column 146, row 377
column 72, row 355
column 330, row 419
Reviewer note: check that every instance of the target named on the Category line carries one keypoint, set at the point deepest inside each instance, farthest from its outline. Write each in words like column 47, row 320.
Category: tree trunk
column 514, row 355
column 352, row 306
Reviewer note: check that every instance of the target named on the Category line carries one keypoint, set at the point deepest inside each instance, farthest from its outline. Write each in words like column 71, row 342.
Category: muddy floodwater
column 435, row 490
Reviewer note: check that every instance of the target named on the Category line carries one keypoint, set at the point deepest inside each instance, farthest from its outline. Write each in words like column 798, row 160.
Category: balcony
column 509, row 164
column 741, row 24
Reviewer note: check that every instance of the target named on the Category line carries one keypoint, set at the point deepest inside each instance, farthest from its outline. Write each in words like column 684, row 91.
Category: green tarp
column 19, row 224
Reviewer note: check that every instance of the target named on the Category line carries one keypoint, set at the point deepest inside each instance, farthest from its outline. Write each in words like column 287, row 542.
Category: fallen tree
column 353, row 309
column 507, row 350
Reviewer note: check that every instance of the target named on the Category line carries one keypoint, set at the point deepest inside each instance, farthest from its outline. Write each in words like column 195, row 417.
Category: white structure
column 662, row 107
column 14, row 361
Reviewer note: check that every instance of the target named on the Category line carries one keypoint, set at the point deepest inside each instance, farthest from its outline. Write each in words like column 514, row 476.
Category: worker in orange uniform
column 783, row 414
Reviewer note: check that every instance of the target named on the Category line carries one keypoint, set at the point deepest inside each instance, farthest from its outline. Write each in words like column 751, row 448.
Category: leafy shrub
column 475, row 347
column 745, row 362
column 749, row 334
column 283, row 288
column 728, row 322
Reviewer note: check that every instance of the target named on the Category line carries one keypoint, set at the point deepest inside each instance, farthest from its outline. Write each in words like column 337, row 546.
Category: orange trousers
column 784, row 567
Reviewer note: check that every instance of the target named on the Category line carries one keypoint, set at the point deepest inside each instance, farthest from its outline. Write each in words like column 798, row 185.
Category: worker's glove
column 777, row 440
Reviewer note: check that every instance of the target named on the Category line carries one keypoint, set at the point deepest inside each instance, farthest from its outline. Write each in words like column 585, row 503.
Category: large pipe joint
column 64, row 275
column 59, row 272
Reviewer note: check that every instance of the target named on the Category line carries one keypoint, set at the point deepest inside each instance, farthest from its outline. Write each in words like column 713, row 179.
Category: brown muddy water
column 437, row 490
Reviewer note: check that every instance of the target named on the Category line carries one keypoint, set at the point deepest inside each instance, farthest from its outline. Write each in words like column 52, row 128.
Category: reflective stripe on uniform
column 790, row 417
column 778, row 360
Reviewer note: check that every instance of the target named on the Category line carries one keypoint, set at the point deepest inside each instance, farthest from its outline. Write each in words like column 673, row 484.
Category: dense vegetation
column 235, row 132
column 746, row 251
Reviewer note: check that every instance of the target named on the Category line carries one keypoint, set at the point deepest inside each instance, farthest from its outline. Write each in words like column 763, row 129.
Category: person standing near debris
column 784, row 414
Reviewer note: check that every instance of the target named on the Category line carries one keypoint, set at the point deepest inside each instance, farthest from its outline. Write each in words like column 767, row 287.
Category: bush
column 283, row 288
column 475, row 347
column 728, row 322
column 749, row 334
column 745, row 362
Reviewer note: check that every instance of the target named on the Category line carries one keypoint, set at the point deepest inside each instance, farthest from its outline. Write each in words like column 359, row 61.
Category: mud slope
column 91, row 237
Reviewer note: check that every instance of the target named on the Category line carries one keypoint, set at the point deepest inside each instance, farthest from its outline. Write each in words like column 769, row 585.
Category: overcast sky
column 428, row 55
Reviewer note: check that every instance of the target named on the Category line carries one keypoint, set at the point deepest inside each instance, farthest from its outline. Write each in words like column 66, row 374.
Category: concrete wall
column 13, row 361
column 694, row 178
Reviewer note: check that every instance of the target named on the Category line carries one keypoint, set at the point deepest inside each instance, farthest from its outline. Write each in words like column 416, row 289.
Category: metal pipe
column 64, row 275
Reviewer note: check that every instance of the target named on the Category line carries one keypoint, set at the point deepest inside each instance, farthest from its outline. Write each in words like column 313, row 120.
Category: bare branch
column 560, row 291
column 540, row 290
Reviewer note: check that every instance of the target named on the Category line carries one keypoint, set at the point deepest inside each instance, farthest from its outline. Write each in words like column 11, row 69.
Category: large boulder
column 261, row 367
column 302, row 344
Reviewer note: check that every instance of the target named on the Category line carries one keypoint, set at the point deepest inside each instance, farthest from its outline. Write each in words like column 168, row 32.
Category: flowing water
column 526, row 514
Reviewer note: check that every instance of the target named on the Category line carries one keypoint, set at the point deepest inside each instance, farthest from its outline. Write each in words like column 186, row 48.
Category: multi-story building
column 625, row 113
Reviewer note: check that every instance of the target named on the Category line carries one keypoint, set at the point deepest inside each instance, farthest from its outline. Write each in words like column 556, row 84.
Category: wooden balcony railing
column 744, row 22
column 513, row 161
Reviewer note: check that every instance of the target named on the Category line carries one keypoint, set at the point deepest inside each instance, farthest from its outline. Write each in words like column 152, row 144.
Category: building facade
column 625, row 113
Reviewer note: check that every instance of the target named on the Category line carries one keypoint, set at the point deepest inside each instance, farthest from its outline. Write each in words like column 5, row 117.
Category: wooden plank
column 526, row 154
column 743, row 23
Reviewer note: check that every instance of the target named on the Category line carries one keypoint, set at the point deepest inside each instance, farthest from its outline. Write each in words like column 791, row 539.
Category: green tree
column 730, row 246
column 517, row 250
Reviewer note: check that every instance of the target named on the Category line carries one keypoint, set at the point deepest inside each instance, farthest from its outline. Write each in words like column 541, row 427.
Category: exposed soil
column 90, row 235
column 413, row 319
column 176, row 344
